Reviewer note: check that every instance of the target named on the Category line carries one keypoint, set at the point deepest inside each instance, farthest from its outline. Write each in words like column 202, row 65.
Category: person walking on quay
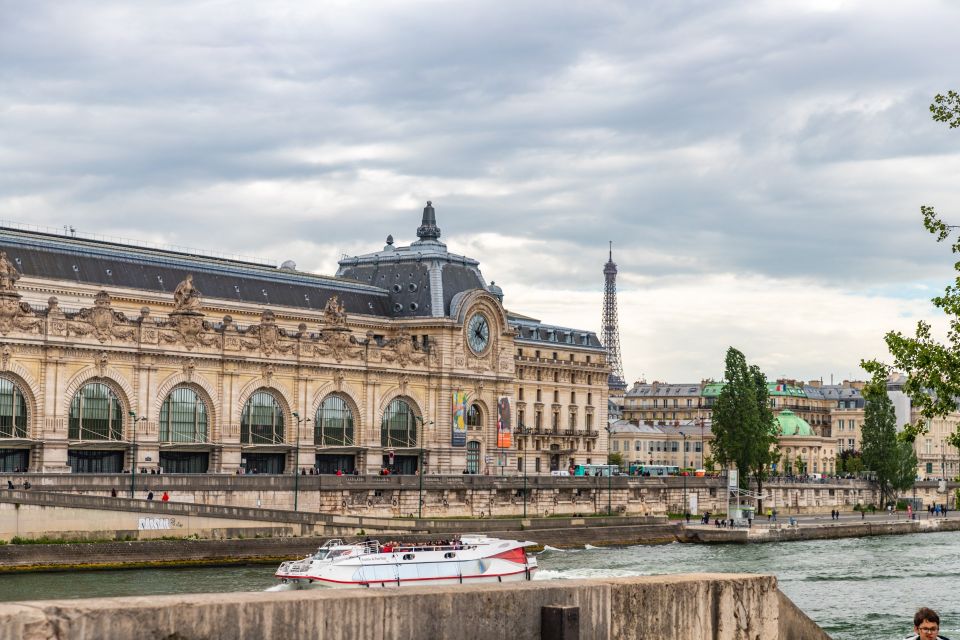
column 113, row 492
column 165, row 497
column 149, row 495
column 926, row 625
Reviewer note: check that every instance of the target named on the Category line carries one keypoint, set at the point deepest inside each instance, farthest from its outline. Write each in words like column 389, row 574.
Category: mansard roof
column 530, row 330
column 113, row 264
column 421, row 279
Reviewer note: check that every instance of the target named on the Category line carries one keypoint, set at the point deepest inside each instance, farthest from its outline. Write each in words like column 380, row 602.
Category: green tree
column 932, row 368
column 882, row 453
column 744, row 431
column 854, row 465
column 615, row 458
column 905, row 472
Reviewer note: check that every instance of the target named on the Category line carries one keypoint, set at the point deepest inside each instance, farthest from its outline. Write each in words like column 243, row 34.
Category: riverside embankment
column 723, row 607
column 559, row 533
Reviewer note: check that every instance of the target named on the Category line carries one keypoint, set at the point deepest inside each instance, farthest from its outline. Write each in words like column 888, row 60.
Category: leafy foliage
column 892, row 461
column 946, row 108
column 744, row 431
column 932, row 368
column 616, row 458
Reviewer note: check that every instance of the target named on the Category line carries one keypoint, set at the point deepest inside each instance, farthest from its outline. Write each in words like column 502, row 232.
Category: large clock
column 478, row 333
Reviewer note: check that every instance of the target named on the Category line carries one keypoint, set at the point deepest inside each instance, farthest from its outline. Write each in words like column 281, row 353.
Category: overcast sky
column 758, row 165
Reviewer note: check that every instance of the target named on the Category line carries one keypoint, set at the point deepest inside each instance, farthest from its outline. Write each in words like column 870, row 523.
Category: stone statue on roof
column 334, row 314
column 8, row 273
column 186, row 297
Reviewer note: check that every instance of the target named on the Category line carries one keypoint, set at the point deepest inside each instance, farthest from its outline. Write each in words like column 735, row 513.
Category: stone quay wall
column 722, row 607
column 454, row 496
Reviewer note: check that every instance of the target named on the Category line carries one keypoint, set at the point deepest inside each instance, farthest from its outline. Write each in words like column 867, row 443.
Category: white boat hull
column 477, row 560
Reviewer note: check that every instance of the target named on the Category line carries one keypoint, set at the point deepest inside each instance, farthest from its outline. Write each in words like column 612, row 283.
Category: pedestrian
column 926, row 625
column 165, row 497
column 687, row 516
column 113, row 492
column 10, row 485
column 149, row 495
column 769, row 514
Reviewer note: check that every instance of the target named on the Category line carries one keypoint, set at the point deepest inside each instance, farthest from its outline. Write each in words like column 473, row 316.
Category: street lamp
column 296, row 461
column 133, row 452
column 423, row 427
column 684, row 472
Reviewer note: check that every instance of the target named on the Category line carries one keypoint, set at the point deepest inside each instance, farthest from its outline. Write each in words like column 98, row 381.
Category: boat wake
column 280, row 587
column 589, row 547
column 547, row 547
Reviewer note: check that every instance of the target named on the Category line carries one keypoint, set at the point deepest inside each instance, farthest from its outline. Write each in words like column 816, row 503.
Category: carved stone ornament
column 404, row 382
column 266, row 336
column 338, row 343
column 188, row 368
column 334, row 314
column 402, row 350
column 267, row 372
column 8, row 274
column 338, row 378
column 186, row 297
column 101, row 363
column 14, row 314
column 189, row 329
column 5, row 354
column 102, row 321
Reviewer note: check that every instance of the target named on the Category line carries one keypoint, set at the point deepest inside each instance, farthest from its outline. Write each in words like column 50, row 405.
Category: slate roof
column 535, row 332
column 98, row 262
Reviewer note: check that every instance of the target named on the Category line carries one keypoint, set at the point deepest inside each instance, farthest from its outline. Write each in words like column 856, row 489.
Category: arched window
column 183, row 417
column 399, row 426
column 95, row 414
column 13, row 410
column 262, row 420
column 474, row 417
column 333, row 424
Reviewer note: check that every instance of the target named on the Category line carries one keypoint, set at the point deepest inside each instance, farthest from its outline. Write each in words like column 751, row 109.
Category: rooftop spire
column 428, row 229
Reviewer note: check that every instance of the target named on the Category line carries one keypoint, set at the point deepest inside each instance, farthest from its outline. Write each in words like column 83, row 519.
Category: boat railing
column 370, row 546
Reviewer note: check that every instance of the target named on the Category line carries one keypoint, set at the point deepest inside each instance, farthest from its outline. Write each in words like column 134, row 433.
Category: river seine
column 856, row 589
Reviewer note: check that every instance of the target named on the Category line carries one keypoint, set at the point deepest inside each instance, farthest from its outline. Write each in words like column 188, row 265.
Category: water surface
column 856, row 589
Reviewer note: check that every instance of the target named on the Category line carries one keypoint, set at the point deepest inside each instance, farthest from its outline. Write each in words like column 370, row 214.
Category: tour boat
column 468, row 559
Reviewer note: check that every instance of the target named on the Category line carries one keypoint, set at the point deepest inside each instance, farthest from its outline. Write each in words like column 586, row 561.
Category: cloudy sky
column 758, row 165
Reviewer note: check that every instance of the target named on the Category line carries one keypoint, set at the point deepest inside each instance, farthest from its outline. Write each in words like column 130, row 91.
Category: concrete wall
column 720, row 607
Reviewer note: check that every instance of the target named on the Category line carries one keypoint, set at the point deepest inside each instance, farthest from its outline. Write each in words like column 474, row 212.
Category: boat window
column 408, row 556
column 450, row 554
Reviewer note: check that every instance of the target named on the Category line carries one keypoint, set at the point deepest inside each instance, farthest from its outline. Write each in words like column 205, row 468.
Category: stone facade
column 150, row 352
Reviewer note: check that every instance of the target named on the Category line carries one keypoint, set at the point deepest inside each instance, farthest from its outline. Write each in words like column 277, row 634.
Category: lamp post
column 684, row 472
column 609, row 477
column 423, row 427
column 296, row 462
column 133, row 452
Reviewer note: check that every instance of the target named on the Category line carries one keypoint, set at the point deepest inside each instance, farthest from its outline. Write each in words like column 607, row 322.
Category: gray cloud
column 778, row 139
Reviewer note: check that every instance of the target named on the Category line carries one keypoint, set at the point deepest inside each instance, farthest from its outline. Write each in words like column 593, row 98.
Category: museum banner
column 459, row 413
column 504, row 432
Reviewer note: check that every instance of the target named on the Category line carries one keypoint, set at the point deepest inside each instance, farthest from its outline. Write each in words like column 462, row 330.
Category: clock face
column 478, row 333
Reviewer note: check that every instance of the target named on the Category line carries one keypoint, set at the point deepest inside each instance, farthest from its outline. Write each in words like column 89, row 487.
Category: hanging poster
column 504, row 431
column 459, row 422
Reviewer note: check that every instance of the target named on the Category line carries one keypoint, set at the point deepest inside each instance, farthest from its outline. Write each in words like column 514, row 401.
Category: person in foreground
column 926, row 625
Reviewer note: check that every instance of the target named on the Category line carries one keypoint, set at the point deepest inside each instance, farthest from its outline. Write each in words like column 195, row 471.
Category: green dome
column 793, row 425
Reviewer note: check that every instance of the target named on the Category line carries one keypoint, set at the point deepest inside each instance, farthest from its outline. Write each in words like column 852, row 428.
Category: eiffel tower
column 611, row 330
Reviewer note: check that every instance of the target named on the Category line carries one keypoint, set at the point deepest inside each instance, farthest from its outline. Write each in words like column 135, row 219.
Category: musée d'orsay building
column 115, row 356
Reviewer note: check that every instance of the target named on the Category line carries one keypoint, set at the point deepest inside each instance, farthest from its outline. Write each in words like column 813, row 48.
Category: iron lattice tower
column 611, row 330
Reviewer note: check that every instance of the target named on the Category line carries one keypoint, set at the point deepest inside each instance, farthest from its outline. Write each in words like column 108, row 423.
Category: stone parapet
column 722, row 607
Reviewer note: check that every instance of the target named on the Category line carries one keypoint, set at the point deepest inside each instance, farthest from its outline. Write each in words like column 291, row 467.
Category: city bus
column 639, row 469
column 596, row 470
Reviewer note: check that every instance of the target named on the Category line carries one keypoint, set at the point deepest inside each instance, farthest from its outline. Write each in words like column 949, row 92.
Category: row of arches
column 97, row 413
